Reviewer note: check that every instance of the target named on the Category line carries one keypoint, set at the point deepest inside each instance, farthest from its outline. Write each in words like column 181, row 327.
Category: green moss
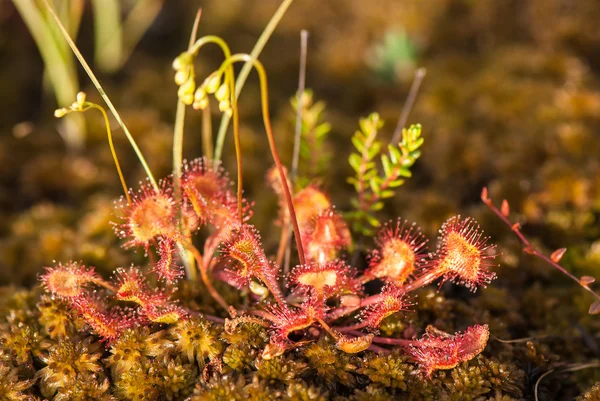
column 329, row 364
column 388, row 370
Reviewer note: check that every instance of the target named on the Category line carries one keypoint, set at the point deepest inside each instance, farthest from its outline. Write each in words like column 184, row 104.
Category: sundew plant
column 312, row 331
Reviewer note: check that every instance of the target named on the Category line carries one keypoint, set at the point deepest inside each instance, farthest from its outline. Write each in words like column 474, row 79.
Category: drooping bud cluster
column 188, row 92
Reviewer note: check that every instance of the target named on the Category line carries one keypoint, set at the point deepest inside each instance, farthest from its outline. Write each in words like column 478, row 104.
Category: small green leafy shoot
column 374, row 183
column 313, row 154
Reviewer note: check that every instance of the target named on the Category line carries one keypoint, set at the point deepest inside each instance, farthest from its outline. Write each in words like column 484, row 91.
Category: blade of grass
column 108, row 34
column 137, row 22
column 245, row 71
column 103, row 94
column 61, row 72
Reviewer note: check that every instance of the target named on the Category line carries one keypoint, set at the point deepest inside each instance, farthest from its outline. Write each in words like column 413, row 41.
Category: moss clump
column 70, row 361
column 283, row 368
column 331, row 365
column 195, row 339
column 388, row 370
column 12, row 387
column 246, row 341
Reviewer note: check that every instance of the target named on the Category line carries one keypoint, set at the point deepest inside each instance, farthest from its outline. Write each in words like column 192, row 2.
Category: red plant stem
column 213, row 319
column 529, row 248
column 274, row 289
column 376, row 348
column 205, row 279
column 260, row 69
column 420, row 282
column 352, row 327
column 328, row 329
column 393, row 341
column 384, row 340
column 263, row 314
column 238, row 146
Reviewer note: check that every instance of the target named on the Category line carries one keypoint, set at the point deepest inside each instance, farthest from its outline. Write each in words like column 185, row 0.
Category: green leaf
column 370, row 174
column 358, row 144
column 322, row 129
column 372, row 220
column 355, row 161
column 386, row 193
column 374, row 150
column 374, row 185
column 395, row 154
column 376, row 206
column 385, row 163
column 404, row 172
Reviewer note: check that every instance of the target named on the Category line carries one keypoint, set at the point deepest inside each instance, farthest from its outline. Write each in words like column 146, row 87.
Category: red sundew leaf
column 516, row 227
column 464, row 255
column 586, row 280
column 558, row 254
column 505, row 208
column 529, row 249
column 594, row 308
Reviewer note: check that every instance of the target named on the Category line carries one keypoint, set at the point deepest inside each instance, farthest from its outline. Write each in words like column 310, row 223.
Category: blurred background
column 511, row 100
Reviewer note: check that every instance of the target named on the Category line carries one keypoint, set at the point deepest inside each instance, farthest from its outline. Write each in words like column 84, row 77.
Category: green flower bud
column 225, row 107
column 187, row 88
column 212, row 83
column 184, row 60
column 200, row 104
column 182, row 76
column 58, row 113
column 187, row 99
column 200, row 94
column 223, row 92
column 81, row 98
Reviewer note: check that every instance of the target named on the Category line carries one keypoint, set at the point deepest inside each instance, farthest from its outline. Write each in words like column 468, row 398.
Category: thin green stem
column 243, row 75
column 96, row 83
column 230, row 80
column 178, row 129
column 264, row 90
column 408, row 105
column 112, row 148
column 186, row 256
column 207, row 138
